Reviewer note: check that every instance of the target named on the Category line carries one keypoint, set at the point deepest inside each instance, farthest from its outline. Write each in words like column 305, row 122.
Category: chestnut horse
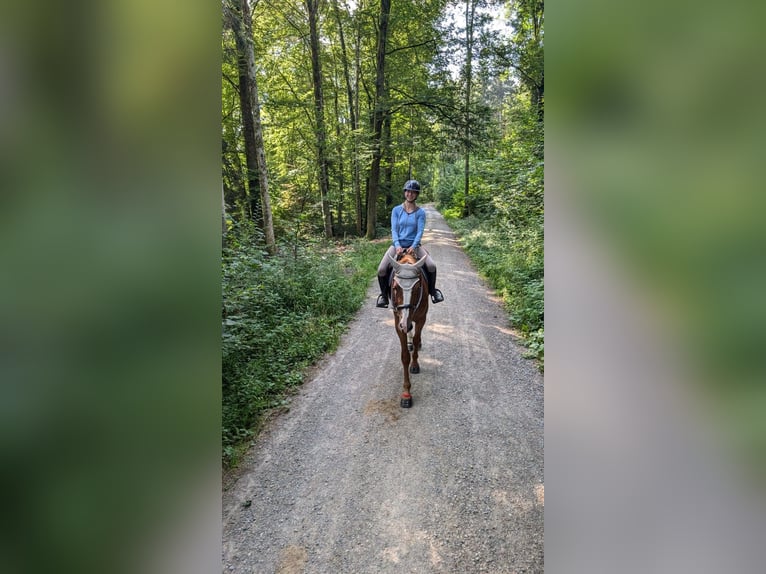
column 409, row 300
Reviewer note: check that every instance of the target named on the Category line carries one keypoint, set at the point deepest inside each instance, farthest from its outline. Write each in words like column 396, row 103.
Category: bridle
column 407, row 275
column 406, row 279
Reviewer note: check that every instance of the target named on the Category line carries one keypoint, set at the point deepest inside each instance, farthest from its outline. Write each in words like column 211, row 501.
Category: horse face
column 407, row 293
column 407, row 289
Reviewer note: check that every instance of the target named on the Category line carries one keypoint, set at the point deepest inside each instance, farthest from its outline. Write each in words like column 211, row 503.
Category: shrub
column 280, row 314
column 511, row 259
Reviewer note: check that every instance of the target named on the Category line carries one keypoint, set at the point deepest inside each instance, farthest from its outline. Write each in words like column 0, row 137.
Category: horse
column 409, row 301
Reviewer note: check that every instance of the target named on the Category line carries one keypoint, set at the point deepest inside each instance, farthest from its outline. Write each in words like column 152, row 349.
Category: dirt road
column 348, row 482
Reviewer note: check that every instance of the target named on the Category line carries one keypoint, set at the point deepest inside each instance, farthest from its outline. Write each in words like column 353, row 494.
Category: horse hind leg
column 417, row 339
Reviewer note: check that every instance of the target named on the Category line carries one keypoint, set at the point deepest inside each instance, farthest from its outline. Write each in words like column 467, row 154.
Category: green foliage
column 280, row 314
column 511, row 259
column 504, row 235
column 536, row 344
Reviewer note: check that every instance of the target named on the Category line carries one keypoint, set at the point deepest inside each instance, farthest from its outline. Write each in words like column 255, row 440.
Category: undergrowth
column 280, row 314
column 511, row 259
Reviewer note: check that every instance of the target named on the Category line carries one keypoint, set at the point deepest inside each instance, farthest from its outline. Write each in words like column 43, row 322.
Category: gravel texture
column 346, row 481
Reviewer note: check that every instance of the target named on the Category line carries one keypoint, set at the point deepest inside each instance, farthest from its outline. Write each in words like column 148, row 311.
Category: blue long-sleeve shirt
column 407, row 228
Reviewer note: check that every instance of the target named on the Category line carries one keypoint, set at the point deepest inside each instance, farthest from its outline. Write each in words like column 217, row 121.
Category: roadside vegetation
column 500, row 223
column 280, row 314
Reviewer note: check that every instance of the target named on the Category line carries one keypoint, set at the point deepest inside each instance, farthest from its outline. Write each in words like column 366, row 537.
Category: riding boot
column 436, row 295
column 383, row 297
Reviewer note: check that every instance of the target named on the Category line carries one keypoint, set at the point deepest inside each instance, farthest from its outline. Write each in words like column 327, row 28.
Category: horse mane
column 405, row 257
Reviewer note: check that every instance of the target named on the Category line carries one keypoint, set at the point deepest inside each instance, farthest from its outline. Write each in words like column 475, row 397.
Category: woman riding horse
column 408, row 221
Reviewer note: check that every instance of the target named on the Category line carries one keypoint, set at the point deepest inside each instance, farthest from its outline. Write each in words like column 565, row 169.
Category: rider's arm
column 394, row 225
column 421, row 219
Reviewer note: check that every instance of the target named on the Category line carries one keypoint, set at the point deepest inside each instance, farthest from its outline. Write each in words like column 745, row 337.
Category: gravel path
column 348, row 482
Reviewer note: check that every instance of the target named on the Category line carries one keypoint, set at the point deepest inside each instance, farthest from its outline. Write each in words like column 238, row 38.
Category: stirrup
column 382, row 301
column 437, row 297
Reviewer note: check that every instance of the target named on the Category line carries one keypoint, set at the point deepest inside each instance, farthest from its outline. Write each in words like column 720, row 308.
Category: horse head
column 407, row 289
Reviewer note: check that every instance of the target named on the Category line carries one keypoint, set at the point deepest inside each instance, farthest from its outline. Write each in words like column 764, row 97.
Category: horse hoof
column 409, row 347
column 406, row 403
column 414, row 370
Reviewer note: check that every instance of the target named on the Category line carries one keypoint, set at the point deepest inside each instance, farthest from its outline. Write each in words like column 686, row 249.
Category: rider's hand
column 399, row 250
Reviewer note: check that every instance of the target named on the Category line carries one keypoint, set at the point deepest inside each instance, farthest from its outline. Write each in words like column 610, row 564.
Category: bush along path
column 347, row 481
column 280, row 314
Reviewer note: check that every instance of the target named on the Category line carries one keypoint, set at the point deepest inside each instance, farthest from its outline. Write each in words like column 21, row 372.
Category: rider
column 407, row 224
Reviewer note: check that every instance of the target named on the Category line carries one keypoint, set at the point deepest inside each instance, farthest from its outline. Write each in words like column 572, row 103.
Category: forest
column 328, row 107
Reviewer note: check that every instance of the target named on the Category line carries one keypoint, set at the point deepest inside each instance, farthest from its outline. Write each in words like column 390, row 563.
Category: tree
column 238, row 16
column 475, row 24
column 470, row 13
column 379, row 112
column 525, row 52
column 312, row 6
column 352, row 95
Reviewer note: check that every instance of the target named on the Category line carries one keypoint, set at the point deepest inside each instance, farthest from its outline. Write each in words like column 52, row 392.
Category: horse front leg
column 414, row 365
column 406, row 400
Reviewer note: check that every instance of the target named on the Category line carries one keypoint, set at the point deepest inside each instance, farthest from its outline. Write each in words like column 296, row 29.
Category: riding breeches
column 420, row 252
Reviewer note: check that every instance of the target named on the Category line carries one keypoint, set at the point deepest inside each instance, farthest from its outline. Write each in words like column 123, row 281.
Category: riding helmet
column 412, row 185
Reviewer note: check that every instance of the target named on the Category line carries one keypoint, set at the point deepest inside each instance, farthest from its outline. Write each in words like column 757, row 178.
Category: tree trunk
column 341, row 163
column 377, row 124
column 251, row 113
column 234, row 193
column 352, row 116
column 470, row 8
column 253, row 201
column 316, row 75
column 357, row 168
column 223, row 217
column 389, row 163
column 538, row 102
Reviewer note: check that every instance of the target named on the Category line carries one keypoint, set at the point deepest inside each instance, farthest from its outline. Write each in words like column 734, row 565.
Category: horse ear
column 420, row 262
column 395, row 263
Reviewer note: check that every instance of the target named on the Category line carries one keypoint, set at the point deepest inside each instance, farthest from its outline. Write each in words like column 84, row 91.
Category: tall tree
column 340, row 171
column 470, row 13
column 237, row 22
column 357, row 106
column 352, row 98
column 240, row 20
column 525, row 51
column 530, row 40
column 379, row 113
column 233, row 174
column 312, row 6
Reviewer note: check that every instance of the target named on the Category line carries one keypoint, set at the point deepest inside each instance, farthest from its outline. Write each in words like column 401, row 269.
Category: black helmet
column 412, row 185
